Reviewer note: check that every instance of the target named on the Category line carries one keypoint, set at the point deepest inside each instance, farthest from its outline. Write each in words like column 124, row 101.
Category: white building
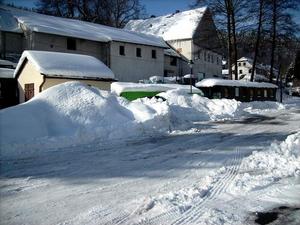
column 192, row 33
column 261, row 73
column 130, row 55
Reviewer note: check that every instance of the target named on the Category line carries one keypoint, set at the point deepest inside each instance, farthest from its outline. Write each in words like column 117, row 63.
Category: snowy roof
column 8, row 22
column 73, row 28
column 245, row 59
column 7, row 63
column 66, row 65
column 119, row 87
column 6, row 73
column 176, row 26
column 233, row 83
column 171, row 52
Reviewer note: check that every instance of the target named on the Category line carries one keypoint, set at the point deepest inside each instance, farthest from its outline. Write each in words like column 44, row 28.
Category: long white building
column 132, row 56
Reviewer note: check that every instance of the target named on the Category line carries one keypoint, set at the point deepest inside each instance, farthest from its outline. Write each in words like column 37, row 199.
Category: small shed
column 244, row 91
column 39, row 70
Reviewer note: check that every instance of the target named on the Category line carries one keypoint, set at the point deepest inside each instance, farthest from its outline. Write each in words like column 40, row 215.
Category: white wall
column 130, row 68
column 205, row 61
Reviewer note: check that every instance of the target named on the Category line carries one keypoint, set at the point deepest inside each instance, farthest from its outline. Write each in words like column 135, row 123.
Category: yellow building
column 39, row 70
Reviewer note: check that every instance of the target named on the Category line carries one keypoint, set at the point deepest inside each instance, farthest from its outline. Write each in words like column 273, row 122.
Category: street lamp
column 191, row 73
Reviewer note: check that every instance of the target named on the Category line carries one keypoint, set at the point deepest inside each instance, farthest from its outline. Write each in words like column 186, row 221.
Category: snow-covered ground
column 77, row 155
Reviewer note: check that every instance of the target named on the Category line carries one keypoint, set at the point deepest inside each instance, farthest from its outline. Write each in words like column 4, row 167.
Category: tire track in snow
column 194, row 214
column 125, row 217
column 218, row 188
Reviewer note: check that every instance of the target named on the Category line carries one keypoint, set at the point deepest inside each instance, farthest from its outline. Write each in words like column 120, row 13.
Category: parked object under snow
column 132, row 91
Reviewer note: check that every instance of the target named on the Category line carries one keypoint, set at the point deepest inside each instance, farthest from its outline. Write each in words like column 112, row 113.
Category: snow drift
column 73, row 113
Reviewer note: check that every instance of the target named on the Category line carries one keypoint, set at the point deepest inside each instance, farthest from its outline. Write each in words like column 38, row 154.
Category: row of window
column 138, row 52
column 208, row 57
column 240, row 64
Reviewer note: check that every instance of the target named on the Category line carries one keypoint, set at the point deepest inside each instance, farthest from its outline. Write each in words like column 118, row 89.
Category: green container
column 133, row 95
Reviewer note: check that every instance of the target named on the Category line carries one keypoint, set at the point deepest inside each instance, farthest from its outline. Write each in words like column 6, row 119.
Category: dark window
column 71, row 44
column 239, row 64
column 153, row 54
column 122, row 50
column 244, row 64
column 241, row 71
column 138, row 52
column 173, row 61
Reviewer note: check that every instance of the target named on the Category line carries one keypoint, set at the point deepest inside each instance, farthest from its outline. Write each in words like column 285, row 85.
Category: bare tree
column 229, row 14
column 108, row 12
column 258, row 36
column 282, row 26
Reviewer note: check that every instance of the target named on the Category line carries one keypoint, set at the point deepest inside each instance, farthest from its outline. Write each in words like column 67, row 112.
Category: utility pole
column 191, row 73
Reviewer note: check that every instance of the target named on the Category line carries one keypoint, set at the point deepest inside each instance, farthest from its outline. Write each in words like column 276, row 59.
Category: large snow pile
column 265, row 167
column 72, row 113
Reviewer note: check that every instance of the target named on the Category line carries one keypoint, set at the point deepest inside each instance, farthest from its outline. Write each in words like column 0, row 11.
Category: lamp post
column 191, row 73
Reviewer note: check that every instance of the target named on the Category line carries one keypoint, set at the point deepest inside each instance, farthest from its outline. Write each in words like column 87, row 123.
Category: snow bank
column 266, row 167
column 72, row 113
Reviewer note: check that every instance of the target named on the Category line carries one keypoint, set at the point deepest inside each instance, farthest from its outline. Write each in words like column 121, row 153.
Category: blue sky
column 153, row 7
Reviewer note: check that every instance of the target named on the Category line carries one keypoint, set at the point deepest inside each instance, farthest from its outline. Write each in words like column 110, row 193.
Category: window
column 241, row 71
column 265, row 93
column 138, row 52
column 226, row 93
column 173, row 61
column 212, row 58
column 244, row 64
column 122, row 50
column 29, row 91
column 240, row 64
column 153, row 54
column 71, row 44
column 217, row 60
column 237, row 92
column 204, row 56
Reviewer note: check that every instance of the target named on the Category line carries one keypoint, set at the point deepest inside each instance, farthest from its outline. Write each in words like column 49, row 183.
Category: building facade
column 192, row 34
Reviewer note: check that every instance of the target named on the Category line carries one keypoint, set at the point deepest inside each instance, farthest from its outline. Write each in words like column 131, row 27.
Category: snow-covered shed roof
column 119, row 87
column 59, row 64
column 74, row 28
column 176, row 26
column 210, row 82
